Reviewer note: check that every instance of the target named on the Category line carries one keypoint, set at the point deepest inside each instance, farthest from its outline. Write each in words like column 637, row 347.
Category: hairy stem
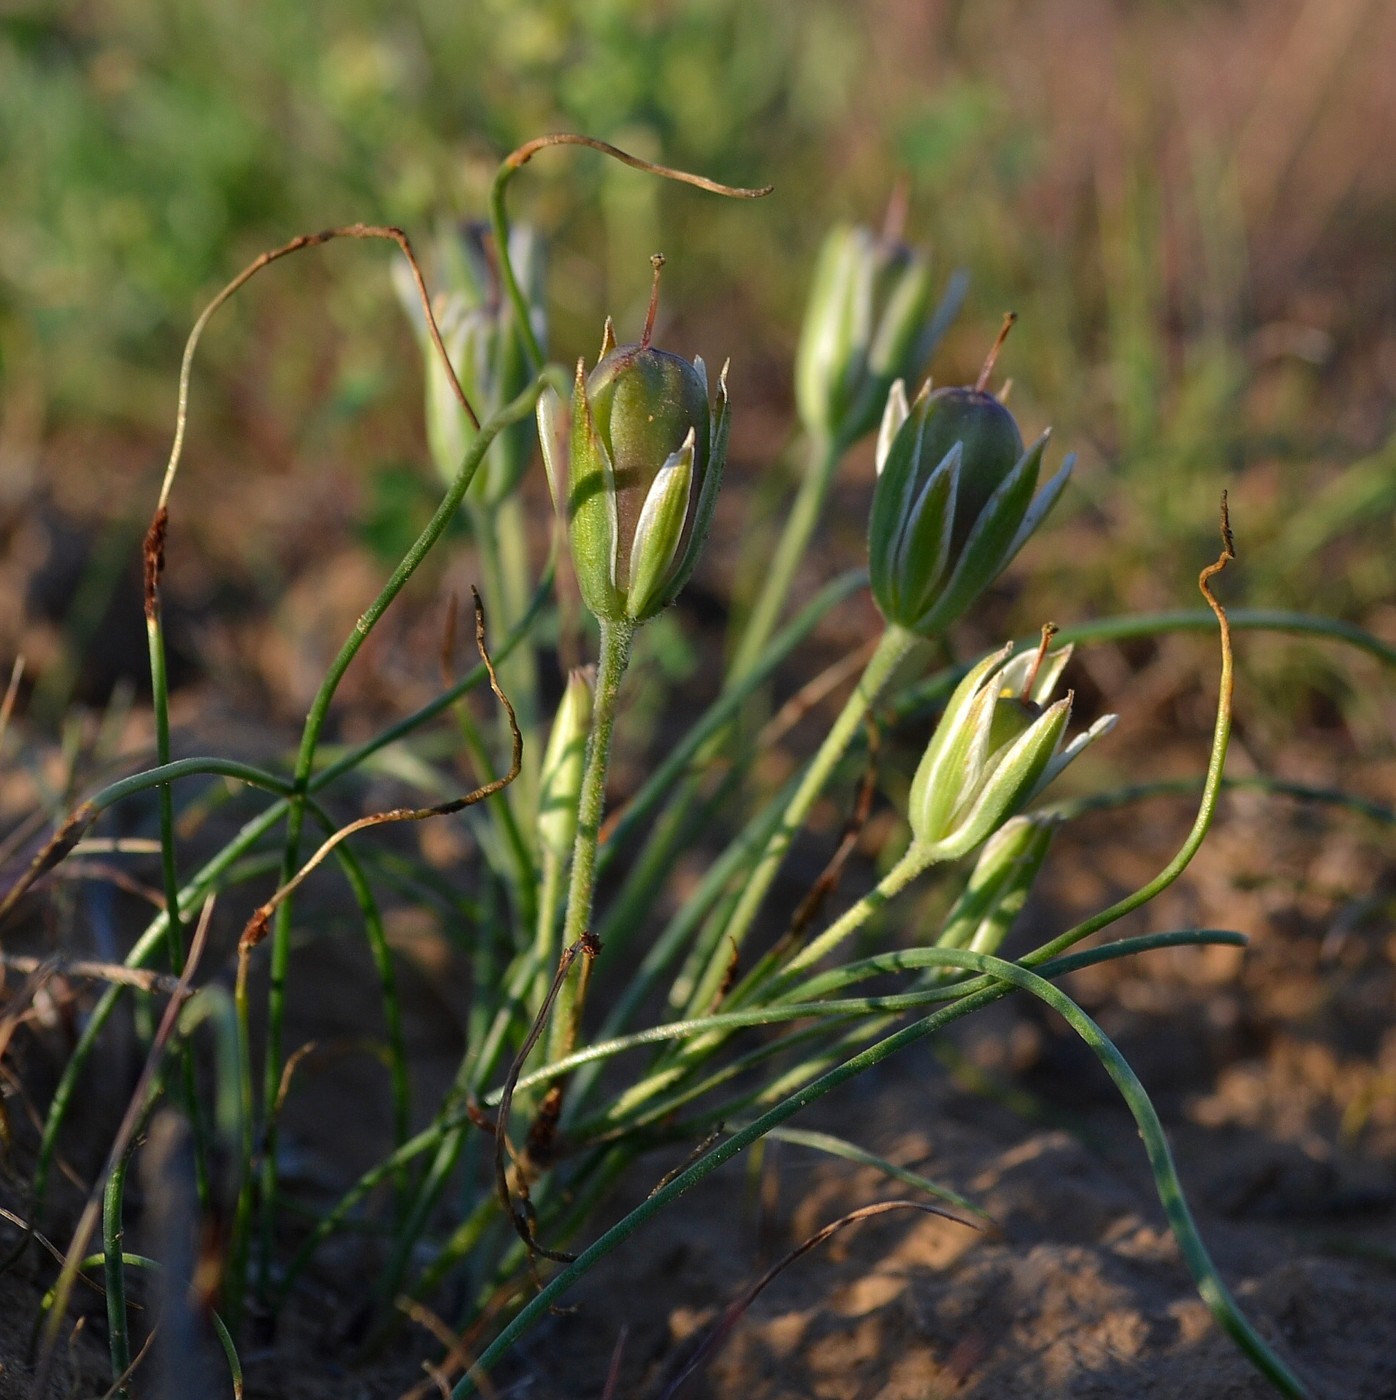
column 616, row 637
column 895, row 645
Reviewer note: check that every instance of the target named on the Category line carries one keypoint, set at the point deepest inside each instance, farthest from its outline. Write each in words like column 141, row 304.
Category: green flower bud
column 999, row 887
column 563, row 761
column 995, row 748
column 954, row 502
column 646, row 456
column 486, row 350
column 868, row 323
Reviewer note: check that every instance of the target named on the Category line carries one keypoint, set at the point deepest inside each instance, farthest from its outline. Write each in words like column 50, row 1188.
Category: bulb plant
column 634, row 450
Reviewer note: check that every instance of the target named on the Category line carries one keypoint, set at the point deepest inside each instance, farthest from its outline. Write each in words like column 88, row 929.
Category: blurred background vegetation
column 1190, row 203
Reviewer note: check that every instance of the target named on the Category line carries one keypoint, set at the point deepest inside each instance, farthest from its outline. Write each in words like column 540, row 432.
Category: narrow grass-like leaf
column 1210, row 1285
column 860, row 1156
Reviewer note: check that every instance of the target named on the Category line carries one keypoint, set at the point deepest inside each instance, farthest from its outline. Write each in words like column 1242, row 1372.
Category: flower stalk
column 614, row 656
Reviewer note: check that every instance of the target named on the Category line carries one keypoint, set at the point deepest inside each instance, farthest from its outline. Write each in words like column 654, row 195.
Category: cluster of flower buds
column 482, row 338
column 868, row 323
column 998, row 744
column 646, row 456
column 954, row 502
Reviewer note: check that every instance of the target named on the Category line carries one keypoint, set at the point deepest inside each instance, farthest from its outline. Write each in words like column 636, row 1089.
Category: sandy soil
column 1274, row 1071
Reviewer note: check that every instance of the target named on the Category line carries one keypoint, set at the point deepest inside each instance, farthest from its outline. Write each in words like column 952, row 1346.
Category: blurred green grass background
column 1190, row 203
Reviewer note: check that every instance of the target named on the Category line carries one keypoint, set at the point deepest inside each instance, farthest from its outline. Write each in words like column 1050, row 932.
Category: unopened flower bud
column 868, row 323
column 997, row 745
column 561, row 783
column 485, row 347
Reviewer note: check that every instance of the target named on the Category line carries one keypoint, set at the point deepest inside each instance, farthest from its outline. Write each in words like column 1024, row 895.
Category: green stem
column 866, row 1016
column 895, row 645
column 235, row 1283
column 280, row 959
column 614, row 656
column 448, row 1124
column 499, row 223
column 538, row 1306
column 668, row 783
column 1206, row 812
column 824, row 455
column 159, row 681
column 1001, row 977
column 502, row 541
column 223, row 861
column 893, row 883
column 169, row 873
column 118, row 1335
column 1213, row 1290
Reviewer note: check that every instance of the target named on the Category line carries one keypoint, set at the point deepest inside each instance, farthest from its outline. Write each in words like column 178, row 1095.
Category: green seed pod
column 563, row 761
column 990, row 446
column 954, row 502
column 645, row 460
column 1012, row 717
column 644, row 408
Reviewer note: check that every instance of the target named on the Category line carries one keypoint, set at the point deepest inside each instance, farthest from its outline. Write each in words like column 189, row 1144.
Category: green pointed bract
column 939, row 784
column 700, row 517
column 1098, row 730
column 909, row 529
column 990, row 544
column 658, row 532
column 896, row 412
column 646, row 457
column 953, row 822
column 923, row 554
column 996, row 747
column 957, row 775
column 591, row 509
column 898, row 467
column 552, row 438
column 1011, row 776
